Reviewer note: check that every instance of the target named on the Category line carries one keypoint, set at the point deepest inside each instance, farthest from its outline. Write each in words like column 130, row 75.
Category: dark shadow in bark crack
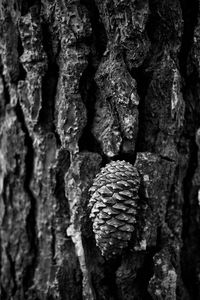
column 31, row 217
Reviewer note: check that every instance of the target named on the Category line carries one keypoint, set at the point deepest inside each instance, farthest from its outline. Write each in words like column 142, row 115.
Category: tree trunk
column 84, row 83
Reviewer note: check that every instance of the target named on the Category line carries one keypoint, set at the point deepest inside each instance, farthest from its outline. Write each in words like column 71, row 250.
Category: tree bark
column 83, row 83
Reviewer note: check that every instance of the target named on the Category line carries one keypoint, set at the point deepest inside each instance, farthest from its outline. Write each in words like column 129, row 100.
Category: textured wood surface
column 83, row 83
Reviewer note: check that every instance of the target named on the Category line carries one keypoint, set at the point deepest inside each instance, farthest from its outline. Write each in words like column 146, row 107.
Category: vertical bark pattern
column 82, row 83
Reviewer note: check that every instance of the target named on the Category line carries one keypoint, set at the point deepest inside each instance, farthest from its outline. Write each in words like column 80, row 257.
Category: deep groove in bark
column 49, row 87
column 190, row 15
column 49, row 84
column 26, row 5
column 87, row 141
column 188, row 255
column 110, row 276
column 31, row 217
column 87, row 84
column 143, row 80
column 53, row 244
column 145, row 274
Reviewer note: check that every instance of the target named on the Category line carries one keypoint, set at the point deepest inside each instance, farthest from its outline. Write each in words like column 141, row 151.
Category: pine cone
column 113, row 204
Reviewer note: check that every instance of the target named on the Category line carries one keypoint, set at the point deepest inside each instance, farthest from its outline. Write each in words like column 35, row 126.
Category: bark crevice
column 49, row 85
column 143, row 79
column 190, row 12
column 87, row 85
column 190, row 249
column 29, row 271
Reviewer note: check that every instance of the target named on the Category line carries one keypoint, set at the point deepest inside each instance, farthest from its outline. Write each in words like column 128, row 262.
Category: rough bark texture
column 82, row 83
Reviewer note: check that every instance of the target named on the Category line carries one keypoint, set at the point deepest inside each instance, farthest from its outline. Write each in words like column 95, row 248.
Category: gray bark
column 82, row 83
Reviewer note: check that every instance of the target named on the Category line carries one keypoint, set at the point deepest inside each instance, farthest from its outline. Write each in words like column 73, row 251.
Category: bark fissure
column 27, row 5
column 32, row 215
column 87, row 86
column 190, row 19
column 143, row 79
column 49, row 85
column 190, row 246
column 87, row 141
column 53, row 244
